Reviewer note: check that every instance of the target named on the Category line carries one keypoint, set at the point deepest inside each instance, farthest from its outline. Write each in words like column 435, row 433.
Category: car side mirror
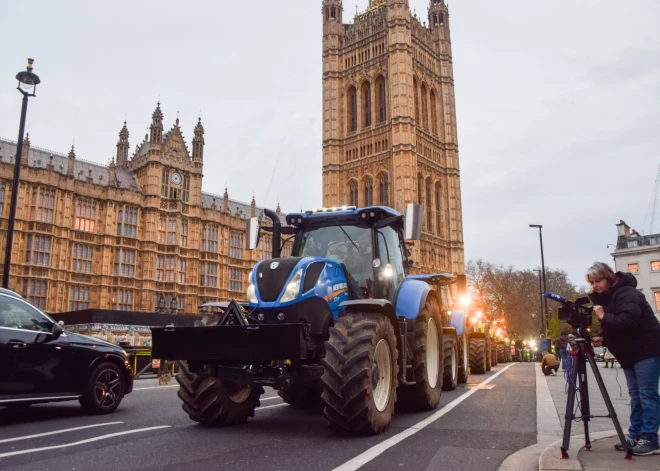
column 253, row 229
column 57, row 330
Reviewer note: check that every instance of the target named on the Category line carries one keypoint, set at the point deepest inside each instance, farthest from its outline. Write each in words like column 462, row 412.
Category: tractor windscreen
column 350, row 245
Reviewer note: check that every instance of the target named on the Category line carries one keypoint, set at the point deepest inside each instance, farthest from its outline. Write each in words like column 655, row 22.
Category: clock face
column 176, row 178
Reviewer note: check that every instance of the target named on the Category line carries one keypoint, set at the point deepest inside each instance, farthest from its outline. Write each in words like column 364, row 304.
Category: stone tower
column 389, row 120
column 122, row 147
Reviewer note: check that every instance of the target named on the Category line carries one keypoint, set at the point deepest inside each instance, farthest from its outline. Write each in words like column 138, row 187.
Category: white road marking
column 81, row 442
column 270, row 407
column 373, row 452
column 270, row 398
column 156, row 387
column 54, row 432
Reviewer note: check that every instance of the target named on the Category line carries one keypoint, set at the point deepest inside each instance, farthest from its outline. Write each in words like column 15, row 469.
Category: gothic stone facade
column 122, row 236
column 389, row 120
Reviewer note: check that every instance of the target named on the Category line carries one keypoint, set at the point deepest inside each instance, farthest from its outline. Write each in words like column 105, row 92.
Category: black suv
column 39, row 362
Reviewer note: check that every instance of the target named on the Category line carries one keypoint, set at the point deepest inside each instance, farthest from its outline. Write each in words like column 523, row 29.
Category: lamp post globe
column 27, row 85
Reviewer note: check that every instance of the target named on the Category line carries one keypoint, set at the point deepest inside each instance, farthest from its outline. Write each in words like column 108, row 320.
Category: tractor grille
column 270, row 282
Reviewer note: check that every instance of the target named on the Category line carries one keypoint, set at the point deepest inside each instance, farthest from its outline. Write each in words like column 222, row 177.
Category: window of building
column 353, row 194
column 381, row 105
column 424, row 110
column 127, row 221
column 438, row 210
column 416, row 101
column 209, row 238
column 85, row 219
column 43, row 205
column 2, row 198
column 655, row 265
column 160, row 267
column 36, row 291
column 37, row 251
column 124, row 262
column 366, row 104
column 170, row 265
column 186, row 188
column 82, row 258
column 162, row 229
column 235, row 279
column 420, row 183
column 429, row 206
column 124, row 300
column 384, row 190
column 180, row 303
column 182, row 271
column 633, row 268
column 264, row 248
column 184, row 233
column 171, row 230
column 632, row 244
column 434, row 114
column 236, row 245
column 165, row 183
column 209, row 275
column 352, row 109
column 78, row 298
column 368, row 192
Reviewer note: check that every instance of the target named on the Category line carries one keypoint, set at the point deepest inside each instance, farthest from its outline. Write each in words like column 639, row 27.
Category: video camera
column 577, row 313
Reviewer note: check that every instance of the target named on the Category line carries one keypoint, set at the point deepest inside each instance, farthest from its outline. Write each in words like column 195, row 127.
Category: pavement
column 475, row 427
column 551, row 396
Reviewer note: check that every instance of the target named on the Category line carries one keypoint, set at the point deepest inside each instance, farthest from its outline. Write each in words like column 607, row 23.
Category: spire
column 253, row 208
column 278, row 210
column 198, row 143
column 122, row 147
column 156, row 128
column 25, row 154
column 71, row 160
column 112, row 172
column 225, row 201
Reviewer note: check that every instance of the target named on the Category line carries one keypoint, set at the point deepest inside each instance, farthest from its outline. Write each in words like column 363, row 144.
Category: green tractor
column 482, row 353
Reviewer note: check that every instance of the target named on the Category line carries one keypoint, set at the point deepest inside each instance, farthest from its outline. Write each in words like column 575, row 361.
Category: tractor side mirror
column 253, row 230
column 413, row 222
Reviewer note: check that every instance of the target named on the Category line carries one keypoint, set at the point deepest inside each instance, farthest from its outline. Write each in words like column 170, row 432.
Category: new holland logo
column 274, row 265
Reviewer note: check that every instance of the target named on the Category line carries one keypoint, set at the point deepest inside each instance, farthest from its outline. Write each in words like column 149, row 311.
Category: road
column 475, row 427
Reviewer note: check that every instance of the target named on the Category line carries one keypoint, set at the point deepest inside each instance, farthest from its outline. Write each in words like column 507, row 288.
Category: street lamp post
column 545, row 300
column 27, row 85
column 538, row 272
column 613, row 256
column 173, row 305
column 161, row 304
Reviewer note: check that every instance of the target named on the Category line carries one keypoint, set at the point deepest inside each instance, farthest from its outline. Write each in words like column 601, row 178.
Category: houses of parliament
column 141, row 231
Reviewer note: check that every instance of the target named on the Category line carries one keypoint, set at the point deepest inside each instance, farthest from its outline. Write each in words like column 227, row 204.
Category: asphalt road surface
column 474, row 428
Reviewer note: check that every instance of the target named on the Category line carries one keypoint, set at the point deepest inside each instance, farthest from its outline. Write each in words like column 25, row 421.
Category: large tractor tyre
column 478, row 356
column 450, row 372
column 493, row 352
column 360, row 376
column 427, row 362
column 501, row 353
column 463, row 359
column 302, row 395
column 489, row 356
column 215, row 402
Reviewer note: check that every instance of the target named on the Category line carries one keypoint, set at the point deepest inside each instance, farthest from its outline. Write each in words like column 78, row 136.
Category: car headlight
column 293, row 288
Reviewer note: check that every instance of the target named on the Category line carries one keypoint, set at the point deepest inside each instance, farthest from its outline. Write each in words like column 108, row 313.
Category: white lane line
column 269, row 398
column 270, row 407
column 156, row 387
column 363, row 458
column 54, row 432
column 81, row 442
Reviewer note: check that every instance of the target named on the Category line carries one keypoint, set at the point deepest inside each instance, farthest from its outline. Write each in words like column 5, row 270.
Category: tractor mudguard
column 410, row 297
column 458, row 322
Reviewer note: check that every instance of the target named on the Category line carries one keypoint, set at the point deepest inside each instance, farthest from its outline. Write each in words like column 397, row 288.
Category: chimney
column 623, row 229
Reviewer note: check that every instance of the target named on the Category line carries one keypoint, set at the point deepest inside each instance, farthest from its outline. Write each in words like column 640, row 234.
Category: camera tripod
column 582, row 352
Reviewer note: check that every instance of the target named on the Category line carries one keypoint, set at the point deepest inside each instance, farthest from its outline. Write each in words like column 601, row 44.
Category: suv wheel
column 105, row 389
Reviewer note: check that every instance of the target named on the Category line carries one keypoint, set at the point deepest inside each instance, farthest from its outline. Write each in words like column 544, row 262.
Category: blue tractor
column 339, row 322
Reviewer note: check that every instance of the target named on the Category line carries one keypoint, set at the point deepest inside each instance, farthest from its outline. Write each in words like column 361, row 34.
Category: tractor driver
column 359, row 262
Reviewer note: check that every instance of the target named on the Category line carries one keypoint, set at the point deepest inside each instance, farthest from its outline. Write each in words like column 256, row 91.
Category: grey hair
column 600, row 271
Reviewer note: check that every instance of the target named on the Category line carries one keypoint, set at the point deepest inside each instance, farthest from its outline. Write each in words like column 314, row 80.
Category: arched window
column 384, row 190
column 366, row 104
column 416, row 100
column 425, row 111
column 353, row 193
column 429, row 206
column 381, row 100
column 420, row 195
column 352, row 109
column 438, row 210
column 442, row 19
column 333, row 13
column 434, row 114
column 368, row 192
column 164, row 183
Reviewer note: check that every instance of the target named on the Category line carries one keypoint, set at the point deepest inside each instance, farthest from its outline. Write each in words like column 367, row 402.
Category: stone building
column 389, row 120
column 123, row 236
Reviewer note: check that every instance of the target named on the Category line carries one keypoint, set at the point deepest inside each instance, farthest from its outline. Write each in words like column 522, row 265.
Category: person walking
column 561, row 346
column 630, row 330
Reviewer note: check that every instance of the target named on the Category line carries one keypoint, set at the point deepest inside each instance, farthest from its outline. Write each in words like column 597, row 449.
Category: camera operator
column 630, row 330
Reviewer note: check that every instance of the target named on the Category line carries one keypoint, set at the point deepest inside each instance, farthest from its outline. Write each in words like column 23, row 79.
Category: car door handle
column 17, row 344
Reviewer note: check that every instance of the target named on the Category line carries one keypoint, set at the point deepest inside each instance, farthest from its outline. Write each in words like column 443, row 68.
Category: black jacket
column 629, row 328
column 562, row 341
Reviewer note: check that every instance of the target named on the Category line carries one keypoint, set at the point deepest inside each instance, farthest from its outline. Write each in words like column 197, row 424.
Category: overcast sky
column 558, row 104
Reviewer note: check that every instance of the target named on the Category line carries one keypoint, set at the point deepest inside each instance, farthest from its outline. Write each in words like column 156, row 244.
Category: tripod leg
column 610, row 407
column 570, row 405
column 585, row 407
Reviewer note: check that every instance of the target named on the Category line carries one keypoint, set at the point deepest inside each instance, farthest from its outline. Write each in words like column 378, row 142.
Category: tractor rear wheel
column 211, row 401
column 478, row 356
column 427, row 362
column 489, row 355
column 493, row 352
column 501, row 353
column 302, row 395
column 450, row 373
column 360, row 376
column 463, row 359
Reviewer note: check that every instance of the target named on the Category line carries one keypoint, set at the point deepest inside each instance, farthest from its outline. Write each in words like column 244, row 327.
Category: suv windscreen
column 17, row 314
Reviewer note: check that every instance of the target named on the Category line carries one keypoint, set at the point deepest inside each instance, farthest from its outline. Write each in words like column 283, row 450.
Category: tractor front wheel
column 478, row 356
column 360, row 376
column 211, row 401
column 463, row 359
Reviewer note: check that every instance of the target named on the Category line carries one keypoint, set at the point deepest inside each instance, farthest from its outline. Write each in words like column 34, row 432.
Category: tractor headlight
column 251, row 291
column 293, row 288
